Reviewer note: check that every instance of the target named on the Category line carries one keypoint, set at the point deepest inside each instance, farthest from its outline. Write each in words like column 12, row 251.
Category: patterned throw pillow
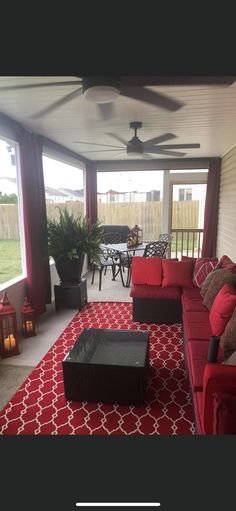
column 221, row 277
column 228, row 338
column 227, row 264
column 207, row 282
column 203, row 266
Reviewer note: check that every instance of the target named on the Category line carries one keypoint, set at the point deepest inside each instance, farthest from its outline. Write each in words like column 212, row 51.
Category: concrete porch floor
column 14, row 370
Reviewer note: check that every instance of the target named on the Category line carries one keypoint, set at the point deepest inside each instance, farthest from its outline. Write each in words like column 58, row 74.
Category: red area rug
column 39, row 406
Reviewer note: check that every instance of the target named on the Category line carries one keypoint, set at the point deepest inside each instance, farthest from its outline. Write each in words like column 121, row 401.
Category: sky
column 61, row 175
column 140, row 181
column 6, row 168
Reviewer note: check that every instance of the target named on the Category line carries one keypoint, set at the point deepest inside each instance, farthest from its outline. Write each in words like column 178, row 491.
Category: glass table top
column 110, row 347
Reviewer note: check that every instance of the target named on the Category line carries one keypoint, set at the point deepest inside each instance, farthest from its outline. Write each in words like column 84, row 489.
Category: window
column 185, row 194
column 138, row 200
column 188, row 193
column 64, row 187
column 12, row 247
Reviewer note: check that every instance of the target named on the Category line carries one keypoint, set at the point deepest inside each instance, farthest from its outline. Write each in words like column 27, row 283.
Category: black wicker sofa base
column 155, row 304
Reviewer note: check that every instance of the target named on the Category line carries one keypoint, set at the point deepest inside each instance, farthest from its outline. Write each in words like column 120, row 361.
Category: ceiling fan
column 135, row 147
column 104, row 91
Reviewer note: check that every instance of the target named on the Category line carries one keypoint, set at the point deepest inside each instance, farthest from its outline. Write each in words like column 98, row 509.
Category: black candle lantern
column 28, row 323
column 8, row 329
column 135, row 236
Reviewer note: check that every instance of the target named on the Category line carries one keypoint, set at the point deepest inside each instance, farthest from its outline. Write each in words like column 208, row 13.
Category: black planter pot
column 70, row 270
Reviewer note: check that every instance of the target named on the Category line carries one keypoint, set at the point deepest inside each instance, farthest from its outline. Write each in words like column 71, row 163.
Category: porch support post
column 91, row 192
column 166, row 206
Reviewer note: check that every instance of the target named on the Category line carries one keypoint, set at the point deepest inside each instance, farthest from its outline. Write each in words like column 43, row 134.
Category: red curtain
column 211, row 209
column 35, row 221
column 91, row 193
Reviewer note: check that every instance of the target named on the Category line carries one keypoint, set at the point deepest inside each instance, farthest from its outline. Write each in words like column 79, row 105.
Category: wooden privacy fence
column 148, row 215
column 9, row 222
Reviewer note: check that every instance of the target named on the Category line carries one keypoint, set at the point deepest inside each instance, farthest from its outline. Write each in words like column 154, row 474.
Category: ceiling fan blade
column 151, row 97
column 180, row 146
column 104, row 145
column 147, row 156
column 58, row 103
column 176, row 80
column 36, row 85
column 117, row 137
column 106, row 111
column 100, row 150
column 122, row 153
column 158, row 140
column 158, row 150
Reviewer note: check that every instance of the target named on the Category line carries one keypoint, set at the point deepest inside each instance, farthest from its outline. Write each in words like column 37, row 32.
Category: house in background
column 132, row 196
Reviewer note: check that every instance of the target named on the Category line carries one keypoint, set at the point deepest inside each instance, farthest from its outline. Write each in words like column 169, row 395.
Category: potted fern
column 69, row 239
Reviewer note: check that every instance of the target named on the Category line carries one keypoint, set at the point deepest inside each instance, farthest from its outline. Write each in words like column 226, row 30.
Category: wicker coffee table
column 109, row 366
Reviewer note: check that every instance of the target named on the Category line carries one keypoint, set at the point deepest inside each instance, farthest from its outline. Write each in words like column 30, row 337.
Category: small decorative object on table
column 135, row 236
column 8, row 329
column 28, row 321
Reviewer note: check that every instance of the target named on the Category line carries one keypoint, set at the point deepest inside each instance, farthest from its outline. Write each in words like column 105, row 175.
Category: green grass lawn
column 10, row 260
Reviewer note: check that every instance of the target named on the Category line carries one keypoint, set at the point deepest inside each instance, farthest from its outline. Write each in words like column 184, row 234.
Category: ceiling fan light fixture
column 134, row 154
column 101, row 94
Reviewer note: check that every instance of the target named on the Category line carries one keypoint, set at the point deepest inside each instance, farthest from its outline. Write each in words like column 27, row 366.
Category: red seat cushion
column 147, row 270
column 191, row 292
column 197, row 359
column 199, row 412
column 203, row 266
column 199, row 317
column 193, row 303
column 197, row 325
column 224, row 422
column 222, row 309
column 177, row 273
column 141, row 291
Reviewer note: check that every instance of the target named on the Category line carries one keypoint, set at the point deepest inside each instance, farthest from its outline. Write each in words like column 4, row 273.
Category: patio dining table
column 130, row 251
column 122, row 247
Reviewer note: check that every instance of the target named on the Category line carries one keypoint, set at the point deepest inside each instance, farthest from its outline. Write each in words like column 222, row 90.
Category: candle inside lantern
column 29, row 326
column 12, row 341
column 7, row 345
column 9, row 342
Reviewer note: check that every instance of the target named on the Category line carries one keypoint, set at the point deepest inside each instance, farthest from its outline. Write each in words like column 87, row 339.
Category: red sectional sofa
column 175, row 304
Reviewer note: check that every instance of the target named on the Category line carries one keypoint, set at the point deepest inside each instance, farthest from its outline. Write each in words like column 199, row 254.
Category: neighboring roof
column 76, row 193
column 54, row 191
column 11, row 179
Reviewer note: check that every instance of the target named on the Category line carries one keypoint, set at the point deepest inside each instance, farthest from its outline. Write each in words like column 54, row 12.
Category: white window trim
column 23, row 275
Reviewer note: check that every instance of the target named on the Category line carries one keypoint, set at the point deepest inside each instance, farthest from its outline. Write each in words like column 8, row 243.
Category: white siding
column 226, row 238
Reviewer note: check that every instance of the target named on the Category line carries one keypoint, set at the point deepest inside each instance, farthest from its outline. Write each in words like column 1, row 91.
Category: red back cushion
column 222, row 309
column 177, row 273
column 224, row 406
column 226, row 263
column 203, row 266
column 187, row 258
column 146, row 270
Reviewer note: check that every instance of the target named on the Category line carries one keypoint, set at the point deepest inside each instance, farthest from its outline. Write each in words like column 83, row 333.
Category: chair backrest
column 122, row 230
column 109, row 256
column 165, row 236
column 112, row 237
column 156, row 249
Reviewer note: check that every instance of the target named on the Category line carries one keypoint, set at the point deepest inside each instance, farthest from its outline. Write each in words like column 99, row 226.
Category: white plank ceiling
column 208, row 117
